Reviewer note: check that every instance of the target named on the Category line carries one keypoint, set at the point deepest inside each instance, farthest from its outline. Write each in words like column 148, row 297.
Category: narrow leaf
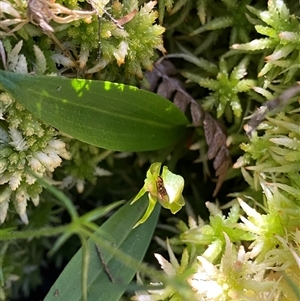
column 108, row 276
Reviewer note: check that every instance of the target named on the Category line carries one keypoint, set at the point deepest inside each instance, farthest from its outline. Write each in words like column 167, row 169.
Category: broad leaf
column 108, row 115
column 132, row 242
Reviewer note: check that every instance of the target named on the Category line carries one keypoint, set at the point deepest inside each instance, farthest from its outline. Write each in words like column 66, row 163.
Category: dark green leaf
column 108, row 115
column 132, row 242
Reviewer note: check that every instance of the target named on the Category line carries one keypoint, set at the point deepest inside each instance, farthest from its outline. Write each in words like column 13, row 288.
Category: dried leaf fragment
column 271, row 106
column 43, row 11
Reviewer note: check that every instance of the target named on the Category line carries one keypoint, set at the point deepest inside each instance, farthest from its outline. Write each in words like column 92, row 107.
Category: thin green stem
column 11, row 235
column 58, row 194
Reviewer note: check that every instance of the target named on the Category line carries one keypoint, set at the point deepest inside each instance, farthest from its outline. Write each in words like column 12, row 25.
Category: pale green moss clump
column 87, row 40
column 28, row 147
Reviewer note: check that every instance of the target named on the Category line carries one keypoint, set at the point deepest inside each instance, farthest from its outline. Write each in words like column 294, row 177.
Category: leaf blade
column 108, row 115
column 122, row 236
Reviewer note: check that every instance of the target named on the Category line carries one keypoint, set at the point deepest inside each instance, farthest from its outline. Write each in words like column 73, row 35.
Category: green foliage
column 231, row 14
column 121, row 250
column 213, row 233
column 130, row 46
column 235, row 55
column 137, row 121
column 282, row 31
column 276, row 154
column 226, row 88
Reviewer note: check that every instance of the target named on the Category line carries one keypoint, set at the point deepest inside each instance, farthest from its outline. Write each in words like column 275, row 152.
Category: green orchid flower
column 165, row 188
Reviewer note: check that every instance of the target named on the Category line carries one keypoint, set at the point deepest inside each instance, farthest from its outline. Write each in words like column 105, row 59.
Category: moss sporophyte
column 166, row 188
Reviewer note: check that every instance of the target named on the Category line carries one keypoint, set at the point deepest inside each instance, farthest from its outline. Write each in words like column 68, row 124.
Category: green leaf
column 120, row 236
column 108, row 115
